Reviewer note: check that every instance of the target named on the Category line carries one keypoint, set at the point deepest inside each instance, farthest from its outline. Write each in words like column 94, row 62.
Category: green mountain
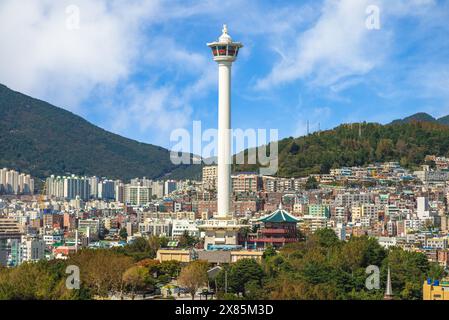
column 41, row 139
column 360, row 144
column 444, row 120
column 420, row 116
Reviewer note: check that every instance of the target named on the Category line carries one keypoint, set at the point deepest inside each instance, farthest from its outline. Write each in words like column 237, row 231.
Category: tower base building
column 222, row 234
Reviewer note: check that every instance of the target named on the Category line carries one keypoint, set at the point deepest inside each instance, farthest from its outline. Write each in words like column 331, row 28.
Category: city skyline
column 119, row 199
column 308, row 61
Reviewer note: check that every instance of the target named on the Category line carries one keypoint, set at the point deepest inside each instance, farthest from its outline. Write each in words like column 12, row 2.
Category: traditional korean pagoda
column 278, row 228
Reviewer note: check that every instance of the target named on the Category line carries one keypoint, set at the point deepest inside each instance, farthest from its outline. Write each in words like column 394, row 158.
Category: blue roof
column 279, row 215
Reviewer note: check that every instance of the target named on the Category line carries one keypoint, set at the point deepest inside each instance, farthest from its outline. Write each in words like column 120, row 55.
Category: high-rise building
column 93, row 184
column 423, row 209
column 137, row 195
column 169, row 187
column 13, row 182
column 157, row 189
column 32, row 250
column 210, row 176
column 26, row 184
column 90, row 228
column 68, row 187
column 76, row 186
column 3, row 179
column 106, row 190
column 119, row 192
column 10, row 234
column 246, row 182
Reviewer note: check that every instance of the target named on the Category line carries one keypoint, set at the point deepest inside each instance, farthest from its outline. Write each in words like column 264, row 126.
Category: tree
column 254, row 290
column 101, row 269
column 140, row 248
column 137, row 278
column 123, row 233
column 193, row 276
column 186, row 240
column 242, row 272
column 408, row 272
column 269, row 252
column 163, row 242
column 326, row 237
column 171, row 268
column 243, row 232
column 311, row 184
column 384, row 149
column 154, row 243
column 43, row 280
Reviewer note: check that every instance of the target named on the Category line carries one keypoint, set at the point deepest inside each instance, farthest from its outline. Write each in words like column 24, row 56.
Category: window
column 221, row 50
column 214, row 51
column 232, row 51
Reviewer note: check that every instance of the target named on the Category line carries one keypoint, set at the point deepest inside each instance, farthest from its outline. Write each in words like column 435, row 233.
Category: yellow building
column 176, row 255
column 188, row 256
column 237, row 255
column 356, row 213
column 436, row 290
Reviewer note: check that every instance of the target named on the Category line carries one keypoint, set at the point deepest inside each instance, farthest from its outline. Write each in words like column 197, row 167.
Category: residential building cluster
column 383, row 200
column 15, row 183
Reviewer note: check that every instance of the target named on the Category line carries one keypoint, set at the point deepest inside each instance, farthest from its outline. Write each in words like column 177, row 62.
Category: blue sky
column 142, row 69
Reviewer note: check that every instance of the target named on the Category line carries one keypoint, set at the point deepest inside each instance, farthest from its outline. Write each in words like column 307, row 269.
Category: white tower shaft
column 224, row 139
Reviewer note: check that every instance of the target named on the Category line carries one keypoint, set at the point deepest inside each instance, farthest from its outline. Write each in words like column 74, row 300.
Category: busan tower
column 222, row 231
column 225, row 53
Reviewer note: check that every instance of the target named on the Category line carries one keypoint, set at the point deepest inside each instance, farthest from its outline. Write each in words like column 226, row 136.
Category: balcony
column 274, row 231
column 273, row 240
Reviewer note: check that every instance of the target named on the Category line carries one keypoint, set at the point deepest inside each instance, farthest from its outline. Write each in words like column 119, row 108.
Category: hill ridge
column 42, row 139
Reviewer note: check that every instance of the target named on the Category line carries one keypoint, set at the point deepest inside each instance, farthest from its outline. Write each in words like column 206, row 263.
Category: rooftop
column 280, row 215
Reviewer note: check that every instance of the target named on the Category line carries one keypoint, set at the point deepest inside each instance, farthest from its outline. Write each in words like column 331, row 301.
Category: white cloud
column 324, row 44
column 150, row 109
column 339, row 47
column 42, row 57
column 170, row 54
column 336, row 46
column 160, row 109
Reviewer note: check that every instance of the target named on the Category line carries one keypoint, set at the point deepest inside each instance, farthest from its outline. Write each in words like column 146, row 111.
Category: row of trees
column 322, row 267
column 103, row 272
column 319, row 267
